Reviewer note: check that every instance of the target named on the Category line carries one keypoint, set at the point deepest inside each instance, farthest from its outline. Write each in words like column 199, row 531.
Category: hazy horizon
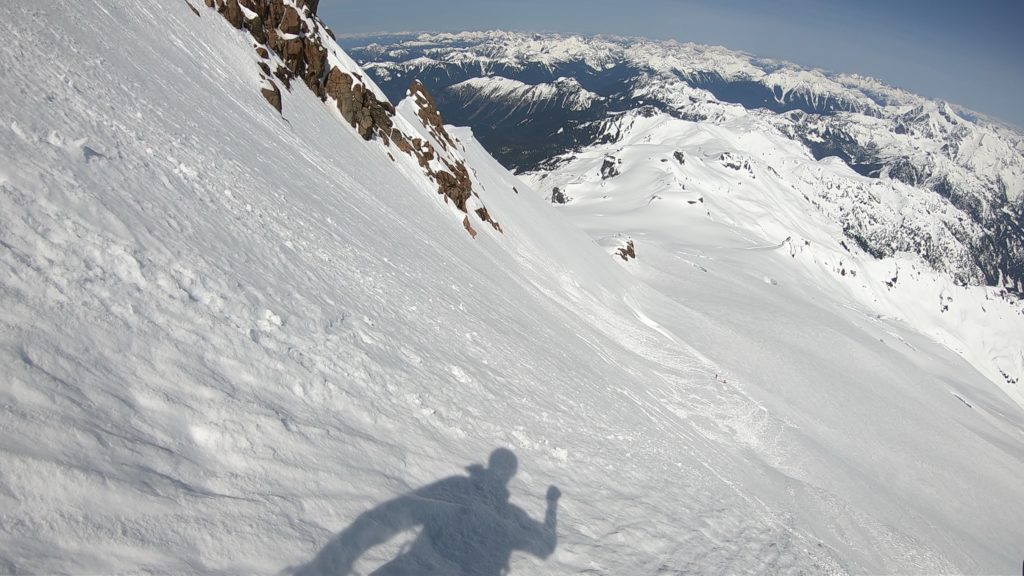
column 969, row 58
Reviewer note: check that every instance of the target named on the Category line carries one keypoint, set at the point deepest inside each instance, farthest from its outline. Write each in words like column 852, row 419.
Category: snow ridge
column 566, row 93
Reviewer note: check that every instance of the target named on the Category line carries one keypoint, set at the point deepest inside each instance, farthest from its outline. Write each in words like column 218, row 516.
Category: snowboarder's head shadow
column 467, row 525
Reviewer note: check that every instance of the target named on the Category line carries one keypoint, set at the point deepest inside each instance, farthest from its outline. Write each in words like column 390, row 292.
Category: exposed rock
column 484, row 215
column 233, row 13
column 429, row 114
column 273, row 95
column 282, row 29
column 626, row 252
column 315, row 57
column 401, row 141
column 311, row 4
column 609, row 168
column 295, row 38
column 469, row 227
column 285, row 76
column 730, row 160
column 455, row 185
column 254, row 25
column 360, row 106
column 291, row 51
column 679, row 157
column 192, row 8
column 559, row 197
column 291, row 22
column 424, row 153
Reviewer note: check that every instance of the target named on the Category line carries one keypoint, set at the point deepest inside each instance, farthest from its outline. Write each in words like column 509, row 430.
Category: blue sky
column 969, row 53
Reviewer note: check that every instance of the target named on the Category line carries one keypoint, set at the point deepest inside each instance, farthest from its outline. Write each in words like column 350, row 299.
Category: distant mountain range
column 534, row 99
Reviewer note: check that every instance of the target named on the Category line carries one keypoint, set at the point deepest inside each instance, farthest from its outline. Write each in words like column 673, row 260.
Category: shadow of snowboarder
column 469, row 528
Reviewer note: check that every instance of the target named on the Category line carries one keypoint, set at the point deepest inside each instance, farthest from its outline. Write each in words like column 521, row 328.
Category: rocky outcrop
column 293, row 34
column 609, row 169
column 626, row 252
column 558, row 196
column 469, row 227
column 484, row 215
column 273, row 95
column 429, row 114
column 359, row 106
column 455, row 184
column 281, row 28
column 453, row 181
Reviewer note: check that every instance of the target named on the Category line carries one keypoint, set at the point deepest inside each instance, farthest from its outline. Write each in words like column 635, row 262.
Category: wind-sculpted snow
column 239, row 341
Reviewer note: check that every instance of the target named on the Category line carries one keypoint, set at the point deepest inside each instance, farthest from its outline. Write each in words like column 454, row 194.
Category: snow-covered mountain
column 252, row 310
column 972, row 164
column 530, row 99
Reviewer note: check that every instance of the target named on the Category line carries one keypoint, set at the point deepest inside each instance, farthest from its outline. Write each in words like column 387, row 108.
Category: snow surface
column 705, row 186
column 226, row 334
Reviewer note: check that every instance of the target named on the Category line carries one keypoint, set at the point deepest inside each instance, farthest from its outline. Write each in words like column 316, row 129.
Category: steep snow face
column 226, row 334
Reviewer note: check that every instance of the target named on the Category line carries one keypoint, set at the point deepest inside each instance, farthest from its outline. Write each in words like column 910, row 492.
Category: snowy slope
column 226, row 333
column 733, row 186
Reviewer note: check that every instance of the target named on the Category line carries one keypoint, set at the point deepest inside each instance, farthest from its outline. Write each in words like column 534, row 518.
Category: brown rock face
column 311, row 4
column 360, row 106
column 282, row 29
column 233, row 13
column 400, row 140
column 291, row 22
column 273, row 95
column 456, row 184
column 429, row 114
column 284, row 76
column 627, row 251
column 294, row 35
column 484, row 215
column 469, row 227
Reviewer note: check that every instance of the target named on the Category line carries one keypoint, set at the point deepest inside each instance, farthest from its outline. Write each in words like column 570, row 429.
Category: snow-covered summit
column 566, row 93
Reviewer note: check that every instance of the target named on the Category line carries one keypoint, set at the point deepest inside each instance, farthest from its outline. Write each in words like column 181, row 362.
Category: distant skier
column 469, row 528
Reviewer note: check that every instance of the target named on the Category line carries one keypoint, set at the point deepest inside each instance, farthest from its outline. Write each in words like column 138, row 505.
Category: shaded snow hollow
column 229, row 337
